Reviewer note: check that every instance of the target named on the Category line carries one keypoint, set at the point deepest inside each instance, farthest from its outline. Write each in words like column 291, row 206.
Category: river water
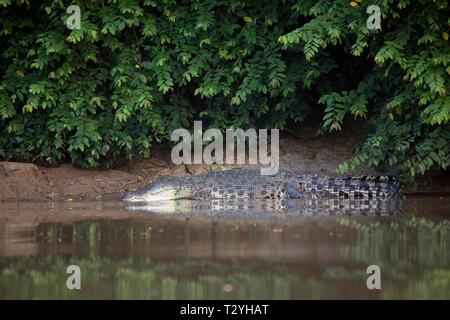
column 303, row 251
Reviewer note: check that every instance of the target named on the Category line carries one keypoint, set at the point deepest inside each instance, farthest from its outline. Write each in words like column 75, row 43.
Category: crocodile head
column 158, row 191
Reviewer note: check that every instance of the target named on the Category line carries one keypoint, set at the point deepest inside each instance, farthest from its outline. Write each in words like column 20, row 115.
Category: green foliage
column 138, row 69
column 404, row 87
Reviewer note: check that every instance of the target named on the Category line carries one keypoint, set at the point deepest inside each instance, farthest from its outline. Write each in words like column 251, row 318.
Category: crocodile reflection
column 268, row 207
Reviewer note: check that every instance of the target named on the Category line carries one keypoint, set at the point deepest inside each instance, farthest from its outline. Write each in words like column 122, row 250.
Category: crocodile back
column 247, row 184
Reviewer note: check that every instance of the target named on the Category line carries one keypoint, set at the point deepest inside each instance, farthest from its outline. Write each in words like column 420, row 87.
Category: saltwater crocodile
column 247, row 184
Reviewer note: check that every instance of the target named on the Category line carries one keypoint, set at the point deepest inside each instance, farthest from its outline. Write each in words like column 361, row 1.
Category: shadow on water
column 225, row 251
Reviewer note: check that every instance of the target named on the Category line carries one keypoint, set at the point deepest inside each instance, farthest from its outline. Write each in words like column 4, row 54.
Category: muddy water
column 302, row 252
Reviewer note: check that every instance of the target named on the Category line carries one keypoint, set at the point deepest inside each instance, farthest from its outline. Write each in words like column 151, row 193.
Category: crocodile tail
column 379, row 186
column 365, row 187
column 395, row 187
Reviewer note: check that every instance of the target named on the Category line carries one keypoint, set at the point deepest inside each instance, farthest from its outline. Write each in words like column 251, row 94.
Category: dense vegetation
column 138, row 69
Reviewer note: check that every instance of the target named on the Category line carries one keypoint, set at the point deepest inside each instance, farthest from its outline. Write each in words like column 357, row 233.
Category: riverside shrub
column 136, row 70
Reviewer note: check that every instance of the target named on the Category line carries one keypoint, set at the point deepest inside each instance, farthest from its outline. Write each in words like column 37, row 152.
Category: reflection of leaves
column 441, row 226
column 340, row 273
column 384, row 243
column 145, row 278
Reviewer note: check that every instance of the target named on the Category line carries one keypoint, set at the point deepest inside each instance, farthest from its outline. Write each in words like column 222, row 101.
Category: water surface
column 302, row 252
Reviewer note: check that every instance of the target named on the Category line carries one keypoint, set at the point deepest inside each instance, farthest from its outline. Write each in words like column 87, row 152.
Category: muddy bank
column 302, row 152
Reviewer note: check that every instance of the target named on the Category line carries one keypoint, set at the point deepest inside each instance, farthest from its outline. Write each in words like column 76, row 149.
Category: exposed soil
column 302, row 152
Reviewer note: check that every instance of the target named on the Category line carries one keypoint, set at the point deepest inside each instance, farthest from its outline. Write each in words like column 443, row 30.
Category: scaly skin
column 245, row 184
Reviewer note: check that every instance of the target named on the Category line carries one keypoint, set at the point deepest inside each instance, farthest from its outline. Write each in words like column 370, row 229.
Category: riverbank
column 301, row 152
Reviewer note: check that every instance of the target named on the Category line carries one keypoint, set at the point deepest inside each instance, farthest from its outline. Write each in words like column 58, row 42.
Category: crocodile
column 248, row 184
